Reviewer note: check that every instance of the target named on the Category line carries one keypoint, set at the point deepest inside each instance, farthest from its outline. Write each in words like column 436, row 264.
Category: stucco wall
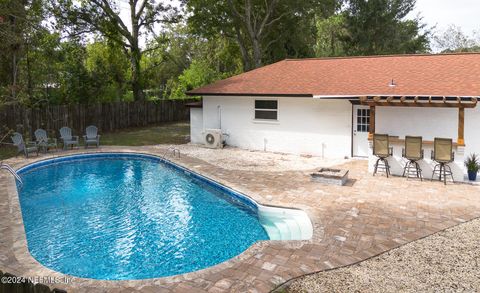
column 304, row 126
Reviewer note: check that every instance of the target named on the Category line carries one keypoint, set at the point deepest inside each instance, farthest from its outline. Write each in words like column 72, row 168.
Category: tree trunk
column 136, row 54
column 29, row 72
column 257, row 53
column 243, row 50
column 137, row 87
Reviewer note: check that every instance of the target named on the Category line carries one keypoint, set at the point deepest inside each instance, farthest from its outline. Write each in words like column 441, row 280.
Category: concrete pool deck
column 351, row 223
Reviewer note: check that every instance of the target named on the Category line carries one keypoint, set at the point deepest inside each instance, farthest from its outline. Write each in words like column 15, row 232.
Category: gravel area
column 445, row 262
column 238, row 159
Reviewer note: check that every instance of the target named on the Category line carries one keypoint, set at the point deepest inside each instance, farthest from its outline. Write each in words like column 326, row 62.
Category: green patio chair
column 43, row 141
column 92, row 136
column 442, row 154
column 22, row 147
column 67, row 137
column 413, row 152
column 382, row 150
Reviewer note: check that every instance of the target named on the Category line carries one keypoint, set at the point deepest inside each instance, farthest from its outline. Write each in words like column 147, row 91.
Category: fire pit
column 330, row 176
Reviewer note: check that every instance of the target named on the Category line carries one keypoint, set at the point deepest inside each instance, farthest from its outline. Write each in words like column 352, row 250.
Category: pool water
column 130, row 217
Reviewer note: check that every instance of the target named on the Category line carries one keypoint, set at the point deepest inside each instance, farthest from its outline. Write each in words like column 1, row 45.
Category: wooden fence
column 107, row 117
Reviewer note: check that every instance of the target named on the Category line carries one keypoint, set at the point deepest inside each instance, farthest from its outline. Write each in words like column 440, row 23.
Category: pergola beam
column 402, row 101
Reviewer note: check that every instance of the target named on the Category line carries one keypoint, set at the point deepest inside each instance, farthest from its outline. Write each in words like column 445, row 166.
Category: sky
column 442, row 13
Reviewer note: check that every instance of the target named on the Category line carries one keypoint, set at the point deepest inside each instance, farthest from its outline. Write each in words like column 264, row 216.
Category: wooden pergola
column 421, row 101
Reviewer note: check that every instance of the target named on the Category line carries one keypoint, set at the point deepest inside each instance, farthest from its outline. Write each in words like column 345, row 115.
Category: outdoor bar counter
column 397, row 162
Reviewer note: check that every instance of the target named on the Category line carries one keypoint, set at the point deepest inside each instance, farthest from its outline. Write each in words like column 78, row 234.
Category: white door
column 361, row 126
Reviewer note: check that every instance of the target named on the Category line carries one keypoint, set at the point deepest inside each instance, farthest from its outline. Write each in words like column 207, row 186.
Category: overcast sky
column 442, row 13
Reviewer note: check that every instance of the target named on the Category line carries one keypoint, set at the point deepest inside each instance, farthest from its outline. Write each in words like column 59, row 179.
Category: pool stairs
column 4, row 166
column 285, row 224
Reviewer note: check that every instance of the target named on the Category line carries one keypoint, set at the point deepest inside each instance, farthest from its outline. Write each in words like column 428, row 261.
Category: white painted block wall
column 304, row 126
column 472, row 131
column 429, row 123
column 196, row 125
column 323, row 127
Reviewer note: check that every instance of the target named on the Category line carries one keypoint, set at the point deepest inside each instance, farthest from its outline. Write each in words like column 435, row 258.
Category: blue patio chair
column 67, row 137
column 22, row 147
column 92, row 136
column 43, row 141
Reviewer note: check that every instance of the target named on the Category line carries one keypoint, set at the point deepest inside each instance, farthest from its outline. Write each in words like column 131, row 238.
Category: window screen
column 266, row 109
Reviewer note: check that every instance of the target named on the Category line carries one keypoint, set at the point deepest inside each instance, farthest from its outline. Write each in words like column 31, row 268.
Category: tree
column 197, row 74
column 180, row 50
column 379, row 27
column 102, row 17
column 255, row 19
column 21, row 28
column 330, row 33
column 108, row 70
column 265, row 31
column 212, row 19
column 453, row 39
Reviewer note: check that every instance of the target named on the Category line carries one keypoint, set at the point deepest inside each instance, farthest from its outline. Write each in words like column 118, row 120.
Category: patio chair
column 92, row 136
column 413, row 152
column 43, row 141
column 442, row 154
column 67, row 137
column 22, row 147
column 382, row 150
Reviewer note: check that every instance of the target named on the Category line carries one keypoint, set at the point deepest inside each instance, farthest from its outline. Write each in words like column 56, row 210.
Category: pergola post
column 371, row 130
column 461, row 126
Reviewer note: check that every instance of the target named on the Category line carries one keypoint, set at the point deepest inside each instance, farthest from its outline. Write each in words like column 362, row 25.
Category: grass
column 169, row 133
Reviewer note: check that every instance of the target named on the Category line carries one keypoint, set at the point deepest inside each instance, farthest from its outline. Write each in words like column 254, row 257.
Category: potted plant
column 472, row 163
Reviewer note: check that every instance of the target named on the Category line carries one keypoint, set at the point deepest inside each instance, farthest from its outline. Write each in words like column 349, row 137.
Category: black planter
column 472, row 175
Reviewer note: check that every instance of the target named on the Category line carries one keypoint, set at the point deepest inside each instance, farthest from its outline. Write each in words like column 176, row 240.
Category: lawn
column 169, row 133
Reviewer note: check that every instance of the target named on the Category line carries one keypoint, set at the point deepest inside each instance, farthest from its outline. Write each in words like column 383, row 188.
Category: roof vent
column 392, row 84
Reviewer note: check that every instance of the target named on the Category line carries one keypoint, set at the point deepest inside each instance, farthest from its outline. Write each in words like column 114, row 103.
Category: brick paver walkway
column 351, row 223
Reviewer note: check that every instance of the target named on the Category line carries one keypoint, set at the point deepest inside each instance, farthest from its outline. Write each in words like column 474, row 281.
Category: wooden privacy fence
column 107, row 116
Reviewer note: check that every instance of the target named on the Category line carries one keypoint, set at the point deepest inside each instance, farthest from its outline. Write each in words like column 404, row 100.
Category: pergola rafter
column 421, row 101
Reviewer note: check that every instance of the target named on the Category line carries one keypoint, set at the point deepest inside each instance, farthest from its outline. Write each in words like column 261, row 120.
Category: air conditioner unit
column 213, row 138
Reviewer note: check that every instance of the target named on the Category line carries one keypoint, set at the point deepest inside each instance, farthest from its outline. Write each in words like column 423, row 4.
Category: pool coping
column 23, row 256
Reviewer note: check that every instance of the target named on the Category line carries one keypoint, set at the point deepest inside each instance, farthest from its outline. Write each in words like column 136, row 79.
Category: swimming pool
column 130, row 216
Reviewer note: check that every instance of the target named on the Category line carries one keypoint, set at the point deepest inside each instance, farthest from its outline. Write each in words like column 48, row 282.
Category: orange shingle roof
column 414, row 75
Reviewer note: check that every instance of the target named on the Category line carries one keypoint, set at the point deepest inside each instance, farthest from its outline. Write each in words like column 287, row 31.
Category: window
column 363, row 120
column 266, row 109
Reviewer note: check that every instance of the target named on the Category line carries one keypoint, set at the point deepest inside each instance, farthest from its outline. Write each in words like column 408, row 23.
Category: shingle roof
column 422, row 75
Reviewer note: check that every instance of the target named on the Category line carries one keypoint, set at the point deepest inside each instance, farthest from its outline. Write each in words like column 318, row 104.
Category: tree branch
column 142, row 7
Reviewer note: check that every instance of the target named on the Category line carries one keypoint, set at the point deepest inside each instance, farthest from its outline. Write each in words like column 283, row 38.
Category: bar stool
column 413, row 152
column 442, row 154
column 382, row 150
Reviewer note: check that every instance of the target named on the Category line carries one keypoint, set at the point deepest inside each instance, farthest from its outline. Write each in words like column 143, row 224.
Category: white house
column 330, row 107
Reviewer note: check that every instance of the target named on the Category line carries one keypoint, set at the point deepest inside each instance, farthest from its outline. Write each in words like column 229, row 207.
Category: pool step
column 295, row 232
column 272, row 231
column 285, row 224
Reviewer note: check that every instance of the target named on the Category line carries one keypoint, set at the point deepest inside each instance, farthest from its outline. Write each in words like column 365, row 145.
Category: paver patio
column 351, row 223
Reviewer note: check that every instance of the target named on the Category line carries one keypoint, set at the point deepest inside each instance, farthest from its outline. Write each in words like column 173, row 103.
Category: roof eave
column 250, row 94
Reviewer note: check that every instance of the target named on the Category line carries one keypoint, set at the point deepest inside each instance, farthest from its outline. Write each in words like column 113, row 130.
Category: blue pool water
column 130, row 217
